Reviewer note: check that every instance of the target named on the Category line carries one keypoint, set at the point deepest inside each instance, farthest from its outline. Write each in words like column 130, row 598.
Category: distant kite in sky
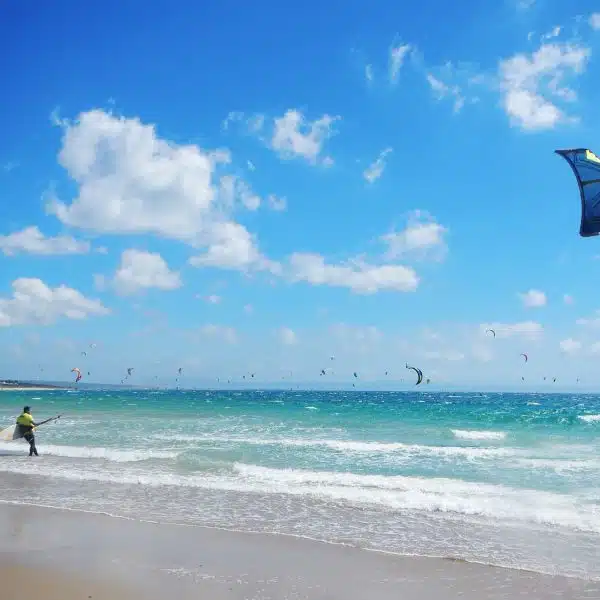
column 586, row 167
column 524, row 356
column 491, row 331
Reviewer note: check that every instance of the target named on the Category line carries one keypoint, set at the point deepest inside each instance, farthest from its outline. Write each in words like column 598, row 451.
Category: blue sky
column 234, row 190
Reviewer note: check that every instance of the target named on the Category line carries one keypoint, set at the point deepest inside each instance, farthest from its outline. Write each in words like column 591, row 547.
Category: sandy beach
column 81, row 555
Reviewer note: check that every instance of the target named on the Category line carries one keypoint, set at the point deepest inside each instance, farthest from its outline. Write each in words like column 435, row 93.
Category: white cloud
column 456, row 82
column 369, row 73
column 532, row 84
column 233, row 116
column 253, row 124
column 277, row 203
column 524, row 329
column 32, row 241
column 533, row 299
column 359, row 276
column 294, row 136
column 130, row 181
column 553, row 33
column 287, row 336
column 10, row 166
column 233, row 188
column 421, row 237
column 595, row 348
column 227, row 334
column 375, row 170
column 568, row 299
column 593, row 321
column 398, row 55
column 443, row 90
column 570, row 346
column 34, row 302
column 212, row 299
column 233, row 247
column 594, row 21
column 144, row 270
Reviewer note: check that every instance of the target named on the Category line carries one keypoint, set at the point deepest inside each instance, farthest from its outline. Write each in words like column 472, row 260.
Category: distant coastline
column 20, row 386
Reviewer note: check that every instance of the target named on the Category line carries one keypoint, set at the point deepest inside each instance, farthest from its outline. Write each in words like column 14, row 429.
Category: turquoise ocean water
column 503, row 479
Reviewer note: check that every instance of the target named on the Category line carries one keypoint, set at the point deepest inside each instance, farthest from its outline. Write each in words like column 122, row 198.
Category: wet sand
column 82, row 555
column 19, row 582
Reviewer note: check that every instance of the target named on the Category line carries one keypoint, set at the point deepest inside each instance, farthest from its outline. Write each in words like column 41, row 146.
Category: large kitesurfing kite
column 586, row 167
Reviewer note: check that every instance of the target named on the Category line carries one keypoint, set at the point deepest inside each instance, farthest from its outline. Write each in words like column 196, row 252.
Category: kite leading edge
column 586, row 167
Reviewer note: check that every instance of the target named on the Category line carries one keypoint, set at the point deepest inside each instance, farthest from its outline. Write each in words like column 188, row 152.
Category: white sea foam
column 353, row 446
column 589, row 418
column 109, row 454
column 388, row 493
column 464, row 434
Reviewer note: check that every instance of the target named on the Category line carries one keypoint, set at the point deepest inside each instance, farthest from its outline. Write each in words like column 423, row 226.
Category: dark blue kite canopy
column 586, row 167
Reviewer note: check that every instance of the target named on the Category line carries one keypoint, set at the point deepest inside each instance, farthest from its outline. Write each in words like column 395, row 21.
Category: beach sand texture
column 66, row 555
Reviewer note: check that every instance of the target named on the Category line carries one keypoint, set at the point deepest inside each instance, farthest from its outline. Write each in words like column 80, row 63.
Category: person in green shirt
column 26, row 425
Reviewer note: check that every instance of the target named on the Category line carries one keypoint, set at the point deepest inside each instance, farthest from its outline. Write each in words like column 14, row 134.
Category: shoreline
column 291, row 536
column 32, row 388
column 201, row 562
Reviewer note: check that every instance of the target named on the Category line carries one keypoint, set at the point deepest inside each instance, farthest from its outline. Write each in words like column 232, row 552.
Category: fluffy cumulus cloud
column 232, row 246
column 130, row 181
column 423, row 237
column 140, row 271
column 34, row 302
column 294, row 136
column 534, row 84
column 361, row 277
column 375, row 170
column 533, row 299
column 32, row 241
